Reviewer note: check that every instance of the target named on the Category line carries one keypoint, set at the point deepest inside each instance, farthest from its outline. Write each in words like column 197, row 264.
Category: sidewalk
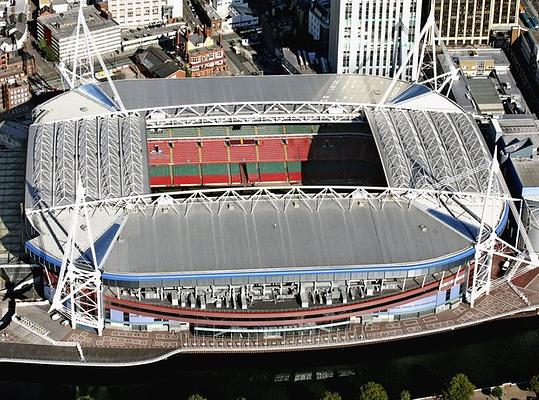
column 510, row 391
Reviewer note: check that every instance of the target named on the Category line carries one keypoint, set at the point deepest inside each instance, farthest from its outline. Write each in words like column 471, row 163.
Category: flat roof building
column 485, row 96
column 129, row 13
column 57, row 30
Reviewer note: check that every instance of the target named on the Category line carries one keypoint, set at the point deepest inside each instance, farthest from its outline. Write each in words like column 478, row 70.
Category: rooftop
column 137, row 33
column 284, row 233
column 62, row 25
column 353, row 89
column 157, row 62
column 528, row 172
column 481, row 53
column 234, row 240
column 486, row 96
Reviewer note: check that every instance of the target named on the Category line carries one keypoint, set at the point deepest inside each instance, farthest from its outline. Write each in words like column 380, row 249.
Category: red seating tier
column 158, row 152
column 271, row 150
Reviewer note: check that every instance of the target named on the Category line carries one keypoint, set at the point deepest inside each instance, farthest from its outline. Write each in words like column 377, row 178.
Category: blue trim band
column 134, row 277
column 505, row 218
column 42, row 254
column 457, row 257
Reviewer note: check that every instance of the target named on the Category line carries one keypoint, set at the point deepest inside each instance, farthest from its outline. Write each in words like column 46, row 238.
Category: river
column 502, row 351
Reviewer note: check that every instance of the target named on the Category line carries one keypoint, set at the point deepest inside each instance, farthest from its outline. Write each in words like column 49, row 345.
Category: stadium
column 256, row 204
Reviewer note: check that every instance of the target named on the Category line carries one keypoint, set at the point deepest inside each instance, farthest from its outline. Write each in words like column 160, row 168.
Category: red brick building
column 203, row 56
column 15, row 67
column 15, row 94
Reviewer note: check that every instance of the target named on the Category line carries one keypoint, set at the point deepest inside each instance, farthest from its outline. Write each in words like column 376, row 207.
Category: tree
column 41, row 44
column 49, row 54
column 372, row 391
column 458, row 388
column 534, row 384
column 196, row 396
column 406, row 395
column 47, row 51
column 327, row 395
column 497, row 392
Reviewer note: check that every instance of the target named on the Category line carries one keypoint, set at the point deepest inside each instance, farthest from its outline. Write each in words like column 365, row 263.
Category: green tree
column 534, row 384
column 41, row 44
column 327, row 395
column 405, row 395
column 372, row 391
column 49, row 54
column 196, row 396
column 497, row 392
column 458, row 388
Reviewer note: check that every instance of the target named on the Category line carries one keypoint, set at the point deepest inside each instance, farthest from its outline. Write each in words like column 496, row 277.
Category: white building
column 222, row 6
column 58, row 32
column 14, row 22
column 240, row 16
column 373, row 36
column 131, row 13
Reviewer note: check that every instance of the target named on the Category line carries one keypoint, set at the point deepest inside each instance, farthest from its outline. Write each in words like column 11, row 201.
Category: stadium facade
column 256, row 204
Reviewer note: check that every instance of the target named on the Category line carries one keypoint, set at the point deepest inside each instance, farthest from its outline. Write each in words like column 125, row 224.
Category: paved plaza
column 32, row 325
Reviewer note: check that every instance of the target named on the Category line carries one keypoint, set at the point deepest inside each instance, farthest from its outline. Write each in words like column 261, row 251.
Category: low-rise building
column 155, row 63
column 15, row 94
column 209, row 17
column 135, row 38
column 57, row 30
column 203, row 56
column 240, row 16
column 474, row 65
column 222, row 6
column 487, row 86
column 518, row 144
column 15, row 67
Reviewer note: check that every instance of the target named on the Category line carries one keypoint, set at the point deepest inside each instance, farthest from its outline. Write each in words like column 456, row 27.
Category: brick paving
column 502, row 300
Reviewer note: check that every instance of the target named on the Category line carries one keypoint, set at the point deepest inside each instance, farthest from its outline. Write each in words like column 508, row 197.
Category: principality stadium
column 256, row 204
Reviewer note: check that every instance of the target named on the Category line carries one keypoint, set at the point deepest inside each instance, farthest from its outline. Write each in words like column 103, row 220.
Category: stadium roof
column 423, row 138
column 107, row 153
column 424, row 141
column 233, row 240
column 149, row 94
column 226, row 234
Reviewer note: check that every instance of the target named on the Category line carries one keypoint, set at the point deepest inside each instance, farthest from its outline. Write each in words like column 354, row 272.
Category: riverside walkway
column 48, row 341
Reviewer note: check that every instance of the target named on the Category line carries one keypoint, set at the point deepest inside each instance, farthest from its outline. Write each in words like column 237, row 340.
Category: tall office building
column 130, row 13
column 468, row 22
column 373, row 36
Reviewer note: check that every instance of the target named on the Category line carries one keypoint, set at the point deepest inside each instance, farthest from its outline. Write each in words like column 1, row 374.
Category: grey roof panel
column 142, row 94
column 234, row 240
